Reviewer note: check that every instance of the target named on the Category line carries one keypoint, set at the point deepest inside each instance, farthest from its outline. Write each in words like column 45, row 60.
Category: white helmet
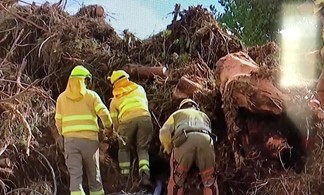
column 187, row 101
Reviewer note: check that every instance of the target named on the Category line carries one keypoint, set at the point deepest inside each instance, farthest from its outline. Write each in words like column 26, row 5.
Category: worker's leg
column 127, row 131
column 90, row 156
column 205, row 161
column 143, row 139
column 180, row 162
column 73, row 161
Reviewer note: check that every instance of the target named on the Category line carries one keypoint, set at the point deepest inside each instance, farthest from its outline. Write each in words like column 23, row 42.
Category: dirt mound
column 39, row 46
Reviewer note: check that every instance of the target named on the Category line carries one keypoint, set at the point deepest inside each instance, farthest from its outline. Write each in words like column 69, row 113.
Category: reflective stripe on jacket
column 183, row 119
column 129, row 104
column 75, row 116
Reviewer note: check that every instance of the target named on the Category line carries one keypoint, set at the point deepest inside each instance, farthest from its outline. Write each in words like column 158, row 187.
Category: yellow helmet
column 186, row 101
column 116, row 75
column 80, row 72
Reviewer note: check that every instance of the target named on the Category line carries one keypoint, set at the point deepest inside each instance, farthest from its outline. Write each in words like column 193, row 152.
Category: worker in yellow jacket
column 77, row 109
column 187, row 134
column 132, row 119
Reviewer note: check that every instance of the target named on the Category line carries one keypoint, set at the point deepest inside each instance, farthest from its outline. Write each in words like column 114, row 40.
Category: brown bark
column 243, row 85
column 233, row 65
column 140, row 72
column 8, row 3
column 5, row 163
column 258, row 95
column 103, row 151
column 185, row 89
column 93, row 11
column 6, row 171
column 100, row 12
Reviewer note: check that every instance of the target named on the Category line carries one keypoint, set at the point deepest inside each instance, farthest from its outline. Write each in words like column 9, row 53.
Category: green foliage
column 81, row 44
column 167, row 33
column 255, row 22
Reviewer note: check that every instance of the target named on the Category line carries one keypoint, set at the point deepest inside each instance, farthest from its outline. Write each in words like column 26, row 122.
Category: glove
column 60, row 142
column 166, row 143
column 167, row 148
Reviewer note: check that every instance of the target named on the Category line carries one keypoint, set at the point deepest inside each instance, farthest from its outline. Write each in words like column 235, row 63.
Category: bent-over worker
column 187, row 133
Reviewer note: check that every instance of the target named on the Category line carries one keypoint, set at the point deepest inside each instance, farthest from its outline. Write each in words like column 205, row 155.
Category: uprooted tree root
column 39, row 45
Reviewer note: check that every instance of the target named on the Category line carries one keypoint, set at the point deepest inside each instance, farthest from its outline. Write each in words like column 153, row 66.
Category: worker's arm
column 58, row 123
column 102, row 111
column 165, row 134
column 58, row 116
column 114, row 113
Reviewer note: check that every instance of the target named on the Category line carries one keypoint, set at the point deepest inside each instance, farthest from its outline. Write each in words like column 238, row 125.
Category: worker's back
column 131, row 104
column 191, row 119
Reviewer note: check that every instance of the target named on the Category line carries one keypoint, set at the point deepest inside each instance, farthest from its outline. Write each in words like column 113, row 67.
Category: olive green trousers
column 137, row 133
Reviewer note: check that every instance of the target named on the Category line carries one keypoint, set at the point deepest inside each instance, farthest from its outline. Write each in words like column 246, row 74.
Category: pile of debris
column 26, row 113
column 261, row 126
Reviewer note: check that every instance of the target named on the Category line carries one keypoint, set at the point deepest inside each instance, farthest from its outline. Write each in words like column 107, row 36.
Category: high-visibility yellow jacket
column 183, row 119
column 129, row 102
column 77, row 109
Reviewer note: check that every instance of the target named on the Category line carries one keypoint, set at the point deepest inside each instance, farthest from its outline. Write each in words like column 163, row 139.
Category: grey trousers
column 81, row 153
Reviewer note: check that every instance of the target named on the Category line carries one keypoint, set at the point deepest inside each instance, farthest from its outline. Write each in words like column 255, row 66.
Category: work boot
column 145, row 180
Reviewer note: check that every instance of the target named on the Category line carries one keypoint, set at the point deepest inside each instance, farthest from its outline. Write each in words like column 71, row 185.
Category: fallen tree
column 243, row 87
